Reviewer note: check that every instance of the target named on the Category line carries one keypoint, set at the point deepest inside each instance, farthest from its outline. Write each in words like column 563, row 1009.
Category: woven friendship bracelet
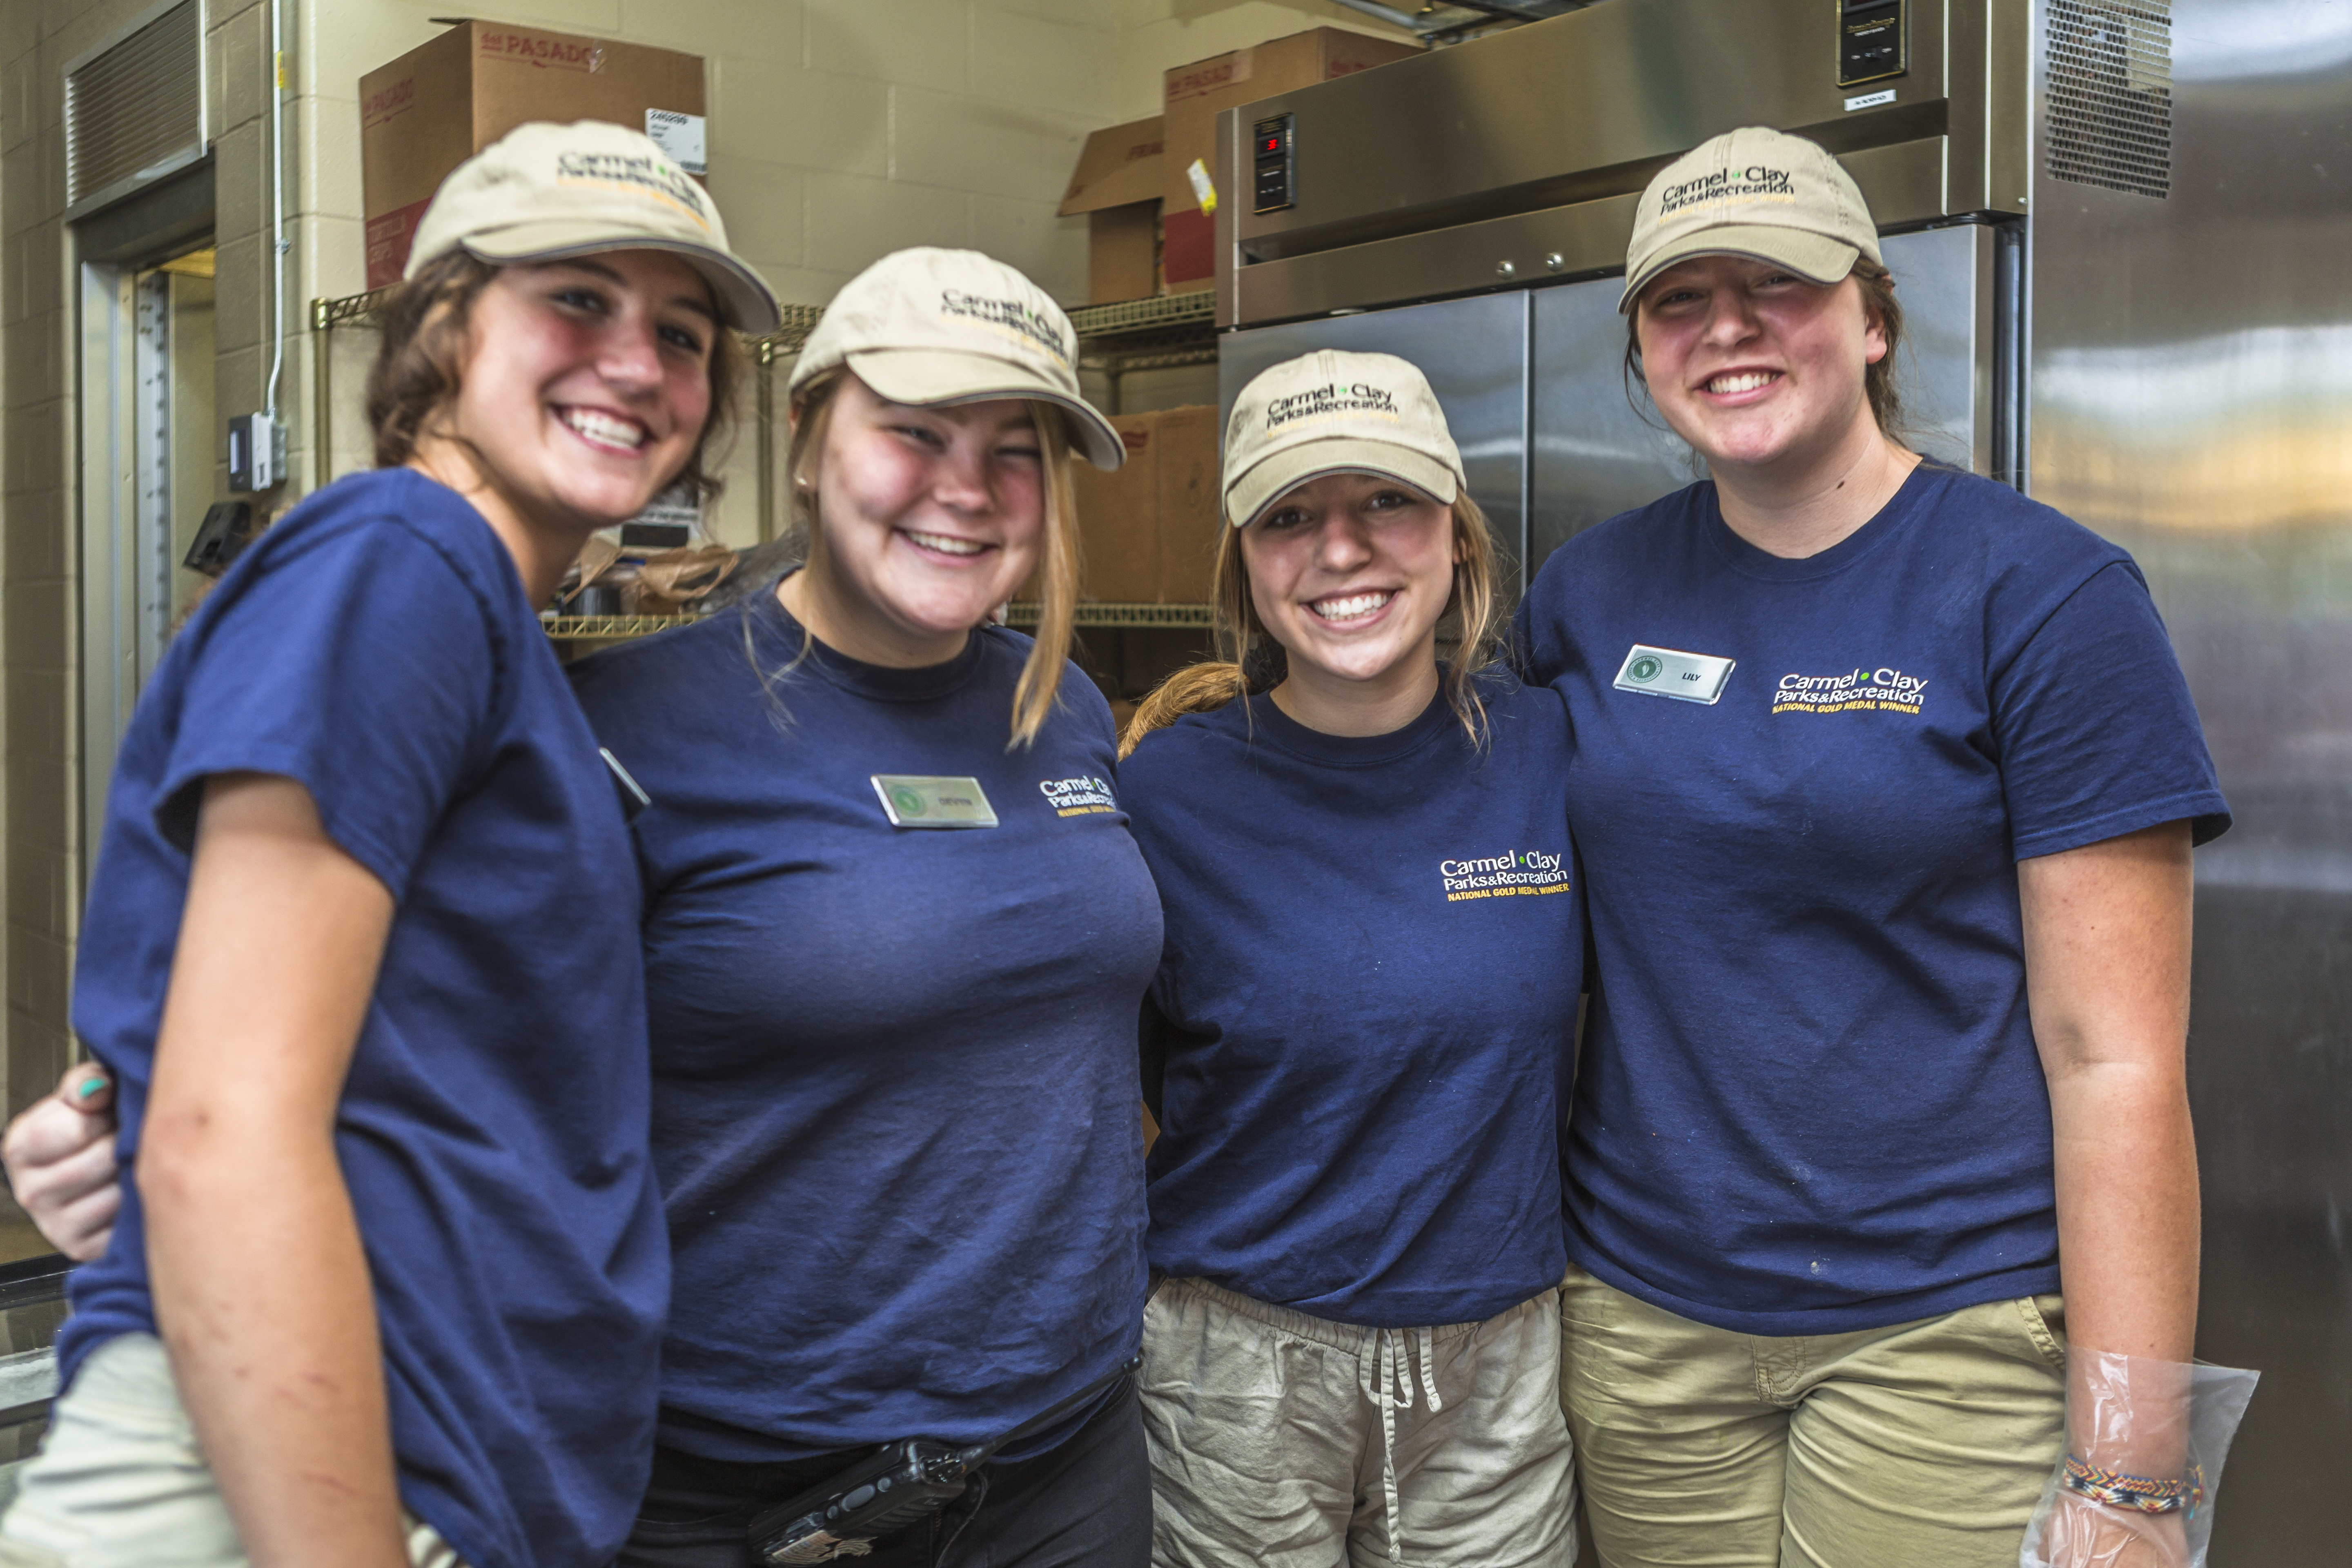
column 2144, row 1493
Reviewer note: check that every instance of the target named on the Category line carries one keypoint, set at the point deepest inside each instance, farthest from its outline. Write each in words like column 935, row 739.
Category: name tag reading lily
column 927, row 800
column 1670, row 672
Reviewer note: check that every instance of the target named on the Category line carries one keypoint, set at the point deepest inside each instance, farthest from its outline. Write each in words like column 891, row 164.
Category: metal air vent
column 2110, row 94
column 135, row 110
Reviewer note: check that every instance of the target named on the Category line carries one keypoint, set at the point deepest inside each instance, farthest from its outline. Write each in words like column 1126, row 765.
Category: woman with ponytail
column 1364, row 1006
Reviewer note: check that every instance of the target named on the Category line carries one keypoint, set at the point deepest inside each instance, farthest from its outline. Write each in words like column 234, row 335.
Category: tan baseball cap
column 928, row 325
column 546, row 192
column 1335, row 413
column 1753, row 192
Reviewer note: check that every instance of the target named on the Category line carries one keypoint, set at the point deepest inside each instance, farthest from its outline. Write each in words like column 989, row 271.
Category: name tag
column 1669, row 672
column 924, row 800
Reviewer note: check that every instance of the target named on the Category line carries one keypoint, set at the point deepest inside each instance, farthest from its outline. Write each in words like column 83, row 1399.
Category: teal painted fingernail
column 89, row 1087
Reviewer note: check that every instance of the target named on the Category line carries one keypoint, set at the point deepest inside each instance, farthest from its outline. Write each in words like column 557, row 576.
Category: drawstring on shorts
column 1385, row 1373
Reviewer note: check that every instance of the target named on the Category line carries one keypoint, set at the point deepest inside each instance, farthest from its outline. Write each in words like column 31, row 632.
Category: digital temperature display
column 1274, row 165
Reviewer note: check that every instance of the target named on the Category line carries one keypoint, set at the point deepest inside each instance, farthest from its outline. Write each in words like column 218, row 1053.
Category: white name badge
column 1669, row 672
column 927, row 800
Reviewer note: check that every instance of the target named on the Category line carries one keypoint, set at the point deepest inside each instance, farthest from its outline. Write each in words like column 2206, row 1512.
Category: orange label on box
column 386, row 103
column 388, row 238
column 542, row 52
column 1213, row 76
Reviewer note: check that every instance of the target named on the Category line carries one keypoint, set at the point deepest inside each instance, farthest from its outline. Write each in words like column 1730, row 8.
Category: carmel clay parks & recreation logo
column 1511, row 874
column 1861, row 690
column 1085, row 797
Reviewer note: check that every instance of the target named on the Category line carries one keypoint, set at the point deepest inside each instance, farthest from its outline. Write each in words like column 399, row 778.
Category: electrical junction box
column 256, row 452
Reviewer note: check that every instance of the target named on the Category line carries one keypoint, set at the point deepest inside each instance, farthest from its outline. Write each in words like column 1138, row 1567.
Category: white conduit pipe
column 276, row 204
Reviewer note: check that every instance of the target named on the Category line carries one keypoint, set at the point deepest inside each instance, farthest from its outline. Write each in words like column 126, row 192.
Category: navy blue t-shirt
column 1373, row 955
column 1809, row 1099
column 894, row 1069
column 376, row 647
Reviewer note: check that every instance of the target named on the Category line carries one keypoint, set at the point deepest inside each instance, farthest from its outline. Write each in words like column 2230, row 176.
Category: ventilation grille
column 2111, row 94
column 136, row 105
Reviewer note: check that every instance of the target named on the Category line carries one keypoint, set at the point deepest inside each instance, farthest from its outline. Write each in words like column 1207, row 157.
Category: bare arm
column 2107, row 970
column 2107, row 967
column 260, row 1287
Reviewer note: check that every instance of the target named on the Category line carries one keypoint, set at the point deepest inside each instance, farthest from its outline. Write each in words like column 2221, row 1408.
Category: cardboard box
column 442, row 102
column 1149, row 530
column 1117, row 185
column 1190, row 98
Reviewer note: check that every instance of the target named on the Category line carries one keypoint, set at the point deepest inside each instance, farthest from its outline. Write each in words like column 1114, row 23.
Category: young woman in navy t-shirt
column 1885, row 779
column 895, row 932
column 1364, row 1010
column 361, row 955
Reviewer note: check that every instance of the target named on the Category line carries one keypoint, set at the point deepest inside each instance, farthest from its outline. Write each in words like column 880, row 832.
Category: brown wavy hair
column 1878, row 381
column 1250, row 661
column 1041, row 677
column 421, row 362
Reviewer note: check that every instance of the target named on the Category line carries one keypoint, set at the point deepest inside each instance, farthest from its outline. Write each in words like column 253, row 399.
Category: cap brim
column 1279, row 473
column 743, row 296
column 1815, row 257
column 929, row 377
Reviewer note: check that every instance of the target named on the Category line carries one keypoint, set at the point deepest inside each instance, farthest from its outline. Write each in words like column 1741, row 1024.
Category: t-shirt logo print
column 1861, row 690
column 1077, row 797
column 1508, row 875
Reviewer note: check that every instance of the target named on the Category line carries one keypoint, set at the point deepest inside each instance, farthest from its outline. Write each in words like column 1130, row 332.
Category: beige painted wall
column 841, row 130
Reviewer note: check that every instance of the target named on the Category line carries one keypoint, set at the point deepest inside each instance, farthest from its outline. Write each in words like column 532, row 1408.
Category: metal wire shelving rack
column 1114, row 338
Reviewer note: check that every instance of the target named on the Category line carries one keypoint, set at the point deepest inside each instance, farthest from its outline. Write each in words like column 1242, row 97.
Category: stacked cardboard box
column 1190, row 98
column 442, row 102
column 1149, row 530
column 1117, row 185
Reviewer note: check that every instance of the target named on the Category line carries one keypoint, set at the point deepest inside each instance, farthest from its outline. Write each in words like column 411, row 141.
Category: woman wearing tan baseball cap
column 895, row 933
column 1375, row 943
column 1887, row 778
column 361, row 949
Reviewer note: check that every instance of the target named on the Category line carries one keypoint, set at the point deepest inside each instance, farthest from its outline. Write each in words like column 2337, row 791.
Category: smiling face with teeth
column 928, row 517
column 584, row 390
column 1757, row 368
column 1350, row 574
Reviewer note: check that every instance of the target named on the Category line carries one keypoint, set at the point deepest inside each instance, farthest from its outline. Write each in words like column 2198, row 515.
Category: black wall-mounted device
column 1871, row 41
column 1271, row 156
column 225, row 531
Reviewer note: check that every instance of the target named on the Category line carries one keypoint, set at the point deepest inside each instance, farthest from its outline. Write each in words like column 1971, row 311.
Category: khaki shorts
column 119, row 1482
column 1922, row 1444
column 1295, row 1442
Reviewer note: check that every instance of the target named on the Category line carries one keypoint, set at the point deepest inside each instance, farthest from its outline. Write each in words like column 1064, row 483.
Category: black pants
column 1086, row 1503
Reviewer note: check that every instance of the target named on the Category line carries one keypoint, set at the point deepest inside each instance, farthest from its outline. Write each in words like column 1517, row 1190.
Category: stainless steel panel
column 1903, row 184
column 1474, row 353
column 1600, row 448
column 1524, row 119
column 2191, row 393
column 1590, row 105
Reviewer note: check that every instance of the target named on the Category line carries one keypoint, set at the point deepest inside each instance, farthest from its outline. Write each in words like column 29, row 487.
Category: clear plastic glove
column 2137, row 1419
column 60, row 1158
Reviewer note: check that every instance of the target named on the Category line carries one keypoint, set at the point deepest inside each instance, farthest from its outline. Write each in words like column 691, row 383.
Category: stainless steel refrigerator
column 2122, row 235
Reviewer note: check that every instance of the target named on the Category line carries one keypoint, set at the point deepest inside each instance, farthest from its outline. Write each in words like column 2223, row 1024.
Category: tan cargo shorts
column 120, row 1482
column 1294, row 1442
column 1920, row 1445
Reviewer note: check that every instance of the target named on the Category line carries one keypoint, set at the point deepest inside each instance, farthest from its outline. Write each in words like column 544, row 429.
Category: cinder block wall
column 841, row 130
